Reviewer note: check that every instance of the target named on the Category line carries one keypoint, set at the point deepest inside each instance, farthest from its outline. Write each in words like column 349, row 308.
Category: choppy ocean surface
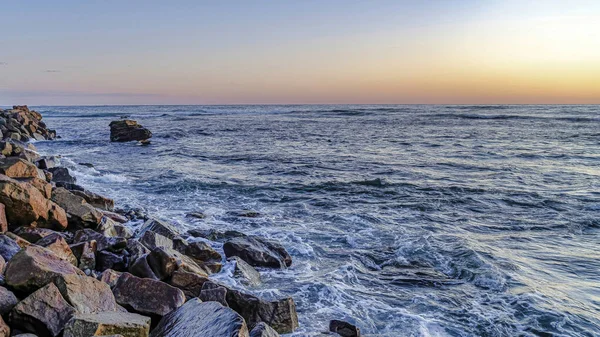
column 405, row 220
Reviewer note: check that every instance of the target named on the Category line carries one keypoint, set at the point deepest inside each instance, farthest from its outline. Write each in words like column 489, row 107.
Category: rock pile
column 70, row 266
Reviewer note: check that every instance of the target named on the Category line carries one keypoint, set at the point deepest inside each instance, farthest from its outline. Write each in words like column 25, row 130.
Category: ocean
column 407, row 220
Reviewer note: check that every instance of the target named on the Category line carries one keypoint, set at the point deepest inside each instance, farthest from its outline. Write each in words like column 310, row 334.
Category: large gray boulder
column 108, row 324
column 263, row 330
column 126, row 130
column 280, row 315
column 147, row 296
column 196, row 318
column 258, row 252
column 8, row 300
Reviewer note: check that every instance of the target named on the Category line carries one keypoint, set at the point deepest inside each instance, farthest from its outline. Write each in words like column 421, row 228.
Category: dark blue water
column 406, row 220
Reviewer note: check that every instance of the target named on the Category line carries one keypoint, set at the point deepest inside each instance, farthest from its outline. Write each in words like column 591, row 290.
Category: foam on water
column 405, row 220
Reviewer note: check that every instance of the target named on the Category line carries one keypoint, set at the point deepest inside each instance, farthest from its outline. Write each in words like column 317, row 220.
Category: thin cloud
column 3, row 64
column 52, row 71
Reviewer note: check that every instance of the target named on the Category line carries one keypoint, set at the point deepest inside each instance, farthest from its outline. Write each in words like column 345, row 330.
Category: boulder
column 147, row 296
column 108, row 260
column 163, row 263
column 141, row 268
column 212, row 292
column 110, row 277
column 41, row 185
column 34, row 267
column 46, row 163
column 45, row 312
column 3, row 221
column 59, row 246
column 86, row 294
column 7, row 301
column 33, row 234
column 96, row 200
column 199, row 251
column 258, row 251
column 8, row 247
column 126, row 130
column 159, row 227
column 116, row 217
column 201, row 319
column 108, row 324
column 280, row 315
column 190, row 283
column 136, row 249
column 153, row 240
column 19, row 240
column 4, row 329
column 85, row 252
column 14, row 167
column 103, row 242
column 25, row 205
column 6, row 148
column 246, row 272
column 80, row 212
column 62, row 174
column 343, row 329
column 263, row 330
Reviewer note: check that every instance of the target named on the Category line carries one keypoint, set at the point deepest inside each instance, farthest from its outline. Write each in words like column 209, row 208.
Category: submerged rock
column 343, row 329
column 128, row 130
column 108, row 324
column 258, row 251
column 196, row 318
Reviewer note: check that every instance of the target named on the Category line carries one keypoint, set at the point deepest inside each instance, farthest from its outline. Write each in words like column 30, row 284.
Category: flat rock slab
column 197, row 318
column 108, row 324
column 147, row 296
column 45, row 312
column 86, row 294
column 34, row 267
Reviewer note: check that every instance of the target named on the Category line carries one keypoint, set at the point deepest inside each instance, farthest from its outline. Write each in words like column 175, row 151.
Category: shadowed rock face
column 127, row 130
column 108, row 323
column 263, row 330
column 147, row 296
column 257, row 251
column 197, row 318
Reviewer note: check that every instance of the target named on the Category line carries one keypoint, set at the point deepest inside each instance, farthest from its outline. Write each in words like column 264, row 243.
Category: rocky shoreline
column 71, row 266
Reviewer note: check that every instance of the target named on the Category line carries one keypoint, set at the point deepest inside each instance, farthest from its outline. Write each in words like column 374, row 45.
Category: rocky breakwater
column 71, row 266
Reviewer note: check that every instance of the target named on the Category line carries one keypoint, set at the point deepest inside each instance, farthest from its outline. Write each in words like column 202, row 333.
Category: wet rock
column 85, row 253
column 46, row 163
column 212, row 292
column 33, row 234
column 3, row 221
column 280, row 315
column 110, row 277
column 146, row 296
column 62, row 174
column 86, row 294
column 86, row 164
column 25, row 205
column 246, row 272
column 108, row 323
column 159, row 227
column 96, row 200
column 344, row 329
column 8, row 247
column 108, row 260
column 263, row 330
column 45, row 312
column 7, row 301
column 117, row 218
column 190, row 283
column 199, row 251
column 215, row 235
column 201, row 319
column 197, row 215
column 34, row 267
column 246, row 213
column 257, row 251
column 14, row 167
column 4, row 329
column 128, row 130
column 59, row 246
column 80, row 212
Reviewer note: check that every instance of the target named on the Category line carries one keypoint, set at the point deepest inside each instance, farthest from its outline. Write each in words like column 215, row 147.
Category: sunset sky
column 314, row 51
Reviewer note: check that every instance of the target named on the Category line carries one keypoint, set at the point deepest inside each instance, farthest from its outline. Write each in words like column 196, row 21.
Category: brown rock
column 22, row 243
column 4, row 329
column 108, row 324
column 159, row 227
column 96, row 200
column 3, row 221
column 14, row 167
column 33, row 234
column 212, row 292
column 147, row 296
column 45, row 312
column 110, row 277
column 85, row 252
column 163, row 263
column 41, row 185
column 86, row 294
column 34, row 267
column 57, row 244
column 257, row 251
column 190, row 283
column 81, row 213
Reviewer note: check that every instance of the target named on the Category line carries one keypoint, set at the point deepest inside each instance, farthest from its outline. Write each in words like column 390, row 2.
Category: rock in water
column 344, row 329
column 258, row 252
column 280, row 315
column 128, row 130
column 196, row 318
column 245, row 271
column 263, row 330
column 45, row 312
column 108, row 323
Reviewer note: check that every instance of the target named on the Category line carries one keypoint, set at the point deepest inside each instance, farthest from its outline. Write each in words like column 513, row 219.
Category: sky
column 75, row 52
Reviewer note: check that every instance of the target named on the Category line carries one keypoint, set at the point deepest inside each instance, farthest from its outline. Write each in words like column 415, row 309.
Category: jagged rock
column 136, row 249
column 34, row 267
column 280, row 315
column 33, row 234
column 3, row 221
column 96, row 200
column 199, row 251
column 214, row 235
column 212, row 292
column 159, row 227
column 117, row 218
column 86, row 294
column 14, row 167
column 141, row 268
column 258, row 251
column 80, row 212
column 201, row 319
column 19, row 240
column 110, row 277
column 263, row 330
column 45, row 312
column 108, row 323
column 163, row 263
column 62, row 174
column 85, row 252
column 7, row 301
column 153, row 240
column 107, row 260
column 103, row 242
column 343, row 329
column 8, row 247
column 4, row 329
column 245, row 271
column 127, row 130
column 6, row 148
column 46, row 163
column 25, row 205
column 57, row 244
column 190, row 283
column 147, row 296
column 41, row 185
